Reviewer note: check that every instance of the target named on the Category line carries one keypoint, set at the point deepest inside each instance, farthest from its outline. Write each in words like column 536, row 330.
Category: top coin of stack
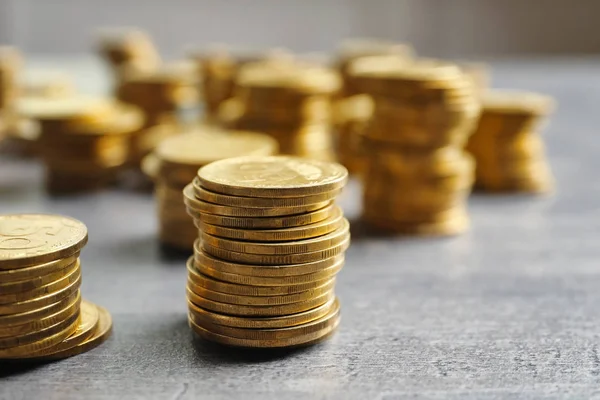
column 83, row 140
column 290, row 100
column 271, row 243
column 508, row 151
column 175, row 162
column 42, row 315
column 418, row 176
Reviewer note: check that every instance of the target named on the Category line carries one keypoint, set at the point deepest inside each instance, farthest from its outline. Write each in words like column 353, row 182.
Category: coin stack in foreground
column 42, row 314
column 83, row 141
column 271, row 243
column 161, row 94
column 508, row 151
column 418, row 176
column 174, row 164
column 290, row 100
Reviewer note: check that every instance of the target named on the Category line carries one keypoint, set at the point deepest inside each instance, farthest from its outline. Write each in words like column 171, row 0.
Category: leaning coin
column 265, row 311
column 279, row 259
column 34, row 271
column 261, row 322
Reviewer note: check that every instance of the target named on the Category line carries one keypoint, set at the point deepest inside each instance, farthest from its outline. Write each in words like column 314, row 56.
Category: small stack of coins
column 508, row 151
column 175, row 162
column 160, row 94
column 83, row 140
column 42, row 314
column 127, row 48
column 10, row 65
column 291, row 101
column 271, row 242
column 418, row 177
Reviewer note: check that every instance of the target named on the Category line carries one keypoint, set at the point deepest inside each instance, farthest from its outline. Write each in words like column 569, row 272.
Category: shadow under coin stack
column 83, row 141
column 174, row 164
column 271, row 243
column 161, row 94
column 418, row 176
column 42, row 314
column 291, row 101
column 509, row 153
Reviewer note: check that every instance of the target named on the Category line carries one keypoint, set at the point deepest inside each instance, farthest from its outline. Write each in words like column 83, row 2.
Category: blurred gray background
column 450, row 28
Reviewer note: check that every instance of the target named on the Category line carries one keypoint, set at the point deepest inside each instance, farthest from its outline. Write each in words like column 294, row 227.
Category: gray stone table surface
column 509, row 310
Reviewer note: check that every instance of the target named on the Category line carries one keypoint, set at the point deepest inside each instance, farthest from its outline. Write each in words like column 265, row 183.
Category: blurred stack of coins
column 507, row 148
column 353, row 109
column 160, row 93
column 42, row 314
column 418, row 176
column 83, row 140
column 10, row 66
column 175, row 162
column 290, row 100
column 271, row 243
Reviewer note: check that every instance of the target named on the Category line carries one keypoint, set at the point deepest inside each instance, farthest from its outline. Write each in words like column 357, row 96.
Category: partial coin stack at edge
column 271, row 243
column 42, row 314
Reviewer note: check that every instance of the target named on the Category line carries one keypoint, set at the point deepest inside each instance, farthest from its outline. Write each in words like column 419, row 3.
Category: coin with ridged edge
column 261, row 322
column 324, row 227
column 35, row 271
column 47, row 299
column 276, row 176
column 27, row 239
column 10, row 320
column 35, row 283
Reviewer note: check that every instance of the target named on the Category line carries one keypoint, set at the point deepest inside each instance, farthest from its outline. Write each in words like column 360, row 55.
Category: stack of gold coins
column 418, row 177
column 508, row 151
column 271, row 243
column 175, row 162
column 10, row 65
column 160, row 94
column 290, row 100
column 127, row 48
column 42, row 315
column 83, row 141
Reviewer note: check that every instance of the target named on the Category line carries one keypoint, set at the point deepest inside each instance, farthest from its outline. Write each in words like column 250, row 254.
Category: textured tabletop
column 510, row 309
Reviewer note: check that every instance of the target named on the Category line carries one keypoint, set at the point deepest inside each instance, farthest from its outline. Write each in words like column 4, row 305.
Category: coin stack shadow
column 418, row 176
column 83, row 141
column 291, row 100
column 508, row 151
column 264, row 266
column 42, row 315
column 175, row 162
column 161, row 94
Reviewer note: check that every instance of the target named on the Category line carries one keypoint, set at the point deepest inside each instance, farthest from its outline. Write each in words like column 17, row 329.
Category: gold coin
column 27, row 239
column 204, row 260
column 457, row 223
column 205, row 207
column 279, row 259
column 72, row 275
column 306, row 339
column 264, row 311
column 275, row 176
column 31, row 284
column 324, row 227
column 53, row 340
column 281, row 248
column 274, row 300
column 261, row 202
column 35, row 271
column 41, row 323
column 266, row 222
column 39, row 302
column 271, row 334
column 101, row 332
column 10, row 320
column 30, row 337
column 261, row 322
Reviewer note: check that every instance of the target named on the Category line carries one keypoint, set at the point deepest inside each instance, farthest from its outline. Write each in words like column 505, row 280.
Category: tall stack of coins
column 160, row 94
column 418, row 177
column 175, row 162
column 291, row 101
column 83, row 140
column 271, row 243
column 508, row 151
column 42, row 314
